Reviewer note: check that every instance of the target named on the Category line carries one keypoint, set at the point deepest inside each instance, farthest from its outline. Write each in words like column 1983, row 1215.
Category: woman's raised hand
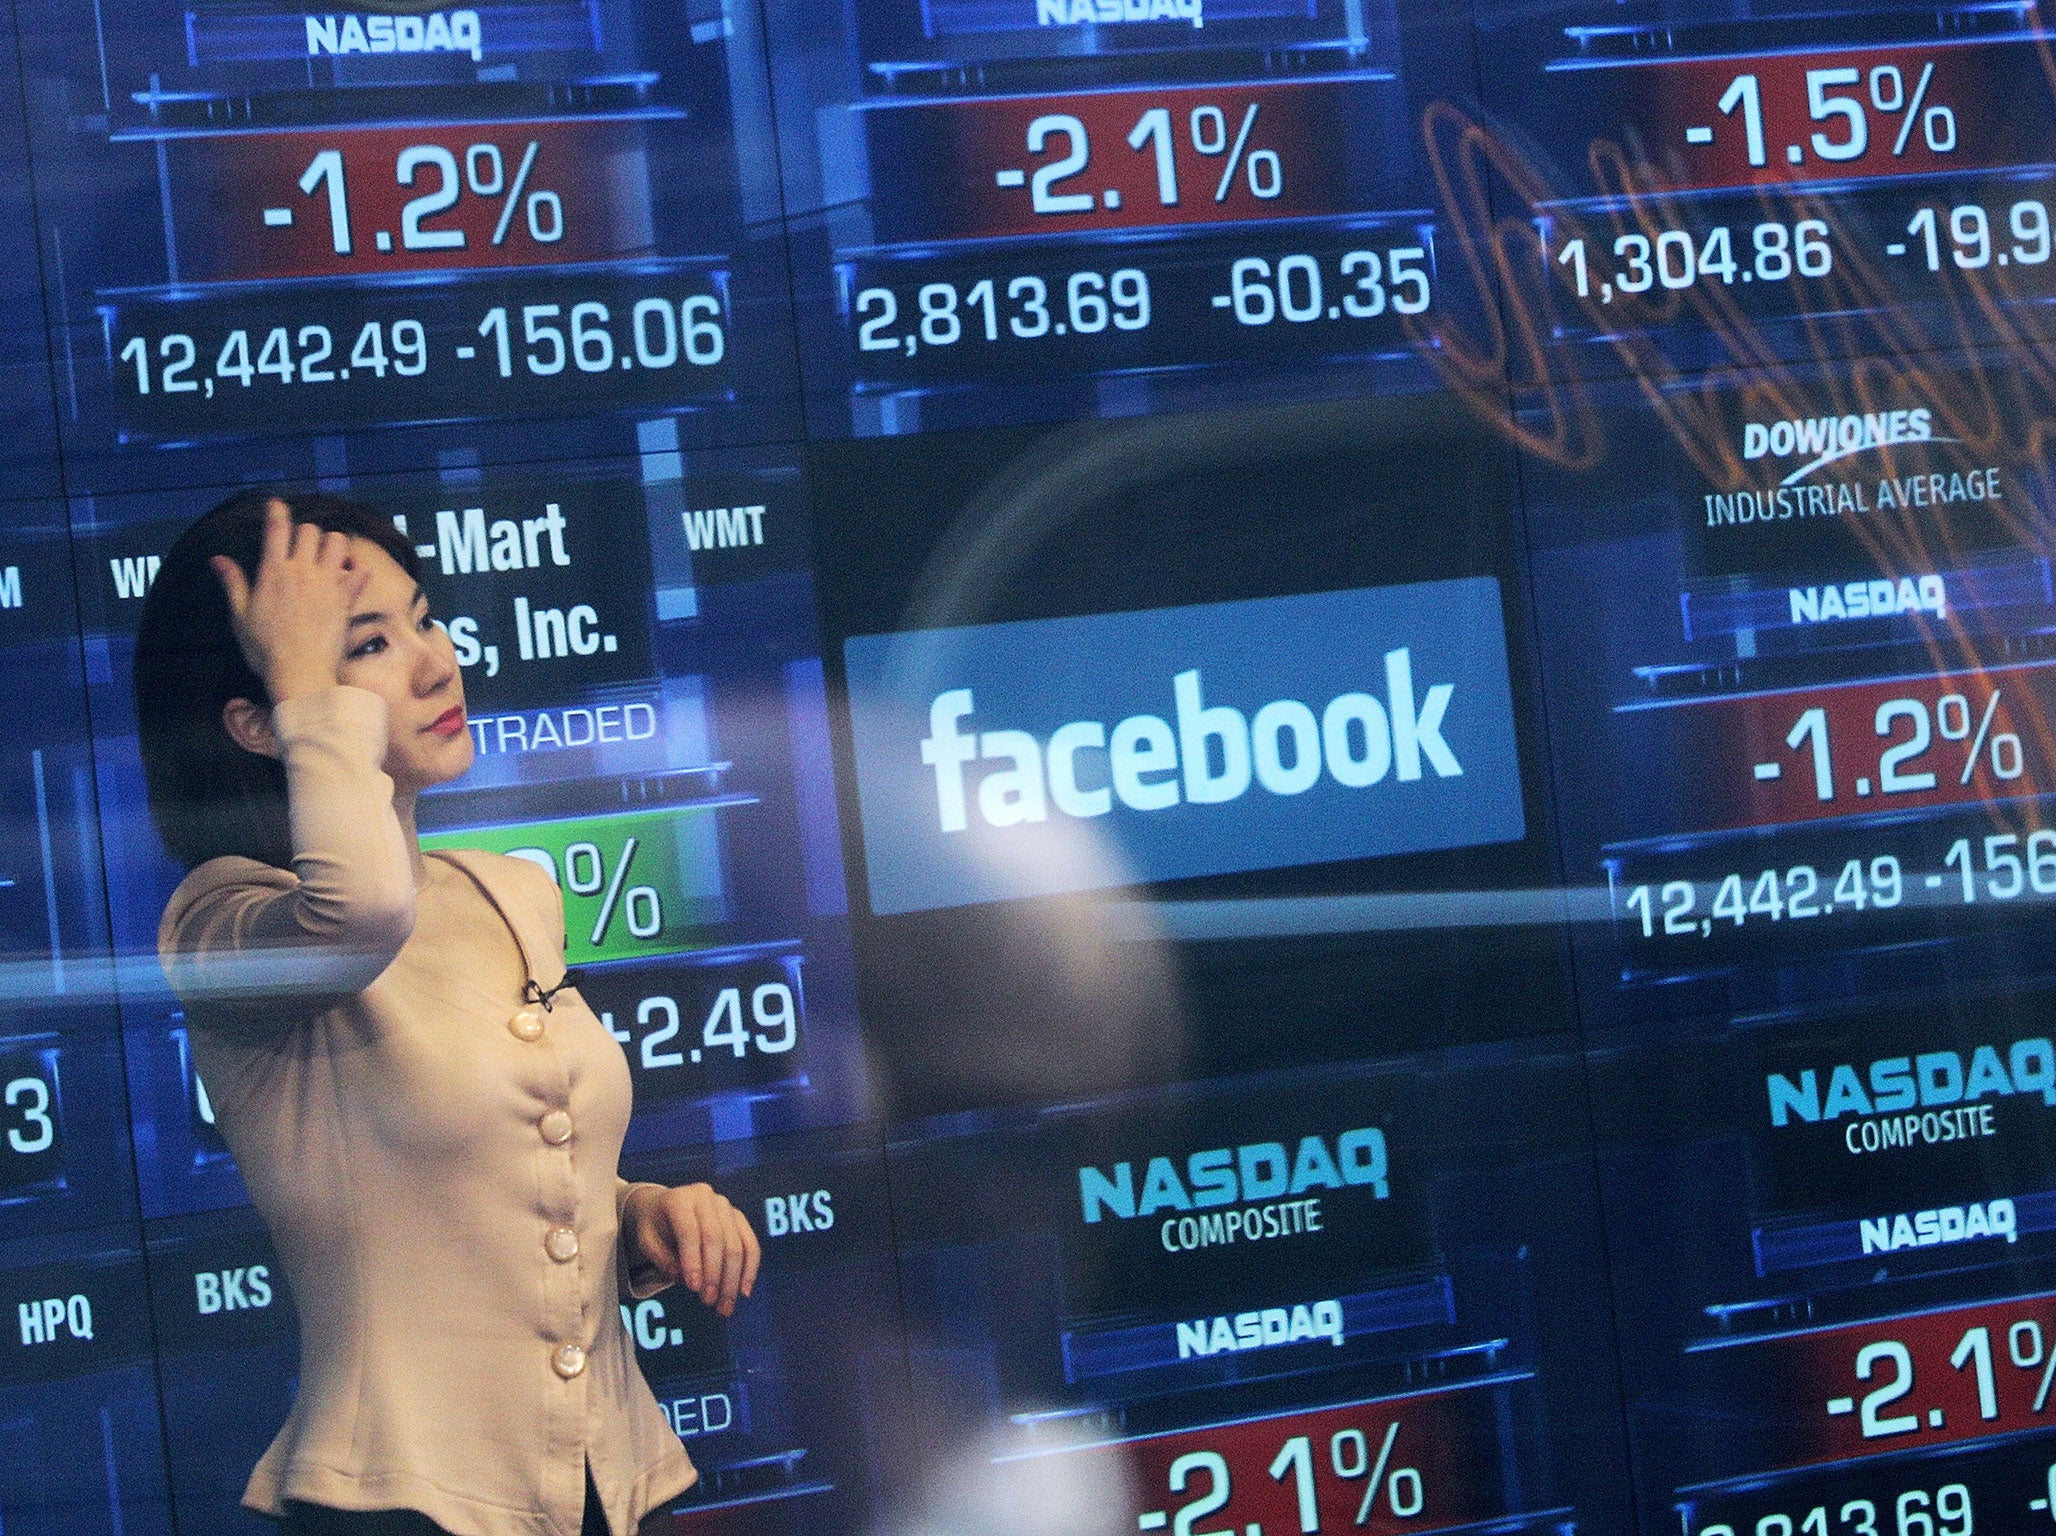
column 293, row 620
column 692, row 1233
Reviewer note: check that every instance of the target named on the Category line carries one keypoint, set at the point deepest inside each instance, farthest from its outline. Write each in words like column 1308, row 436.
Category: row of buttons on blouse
column 560, row 1243
column 555, row 1125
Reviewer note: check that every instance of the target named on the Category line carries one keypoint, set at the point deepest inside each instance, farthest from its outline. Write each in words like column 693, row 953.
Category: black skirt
column 318, row 1520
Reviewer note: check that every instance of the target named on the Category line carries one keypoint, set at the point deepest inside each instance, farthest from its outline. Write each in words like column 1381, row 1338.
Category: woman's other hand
column 693, row 1234
column 292, row 622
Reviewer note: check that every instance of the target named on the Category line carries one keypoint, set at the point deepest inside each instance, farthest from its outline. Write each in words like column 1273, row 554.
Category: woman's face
column 398, row 652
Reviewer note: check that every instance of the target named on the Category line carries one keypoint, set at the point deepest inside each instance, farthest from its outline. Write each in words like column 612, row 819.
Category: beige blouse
column 436, row 1161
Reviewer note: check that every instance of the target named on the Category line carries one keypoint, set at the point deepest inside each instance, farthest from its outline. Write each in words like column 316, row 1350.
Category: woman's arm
column 331, row 926
column 690, row 1233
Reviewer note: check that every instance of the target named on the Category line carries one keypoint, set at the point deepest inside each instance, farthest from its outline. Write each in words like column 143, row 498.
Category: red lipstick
column 449, row 722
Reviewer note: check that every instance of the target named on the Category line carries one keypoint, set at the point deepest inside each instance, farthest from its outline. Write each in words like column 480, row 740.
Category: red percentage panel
column 1116, row 159
column 1421, row 1462
column 362, row 201
column 1926, row 1379
column 1775, row 758
column 1803, row 117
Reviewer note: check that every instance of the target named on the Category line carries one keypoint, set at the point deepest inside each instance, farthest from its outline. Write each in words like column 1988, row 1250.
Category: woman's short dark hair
column 208, row 796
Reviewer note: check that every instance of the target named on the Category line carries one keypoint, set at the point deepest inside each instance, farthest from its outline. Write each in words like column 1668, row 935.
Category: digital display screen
column 1311, row 738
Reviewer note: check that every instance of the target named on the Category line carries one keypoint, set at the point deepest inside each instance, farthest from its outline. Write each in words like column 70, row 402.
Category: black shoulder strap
column 532, row 991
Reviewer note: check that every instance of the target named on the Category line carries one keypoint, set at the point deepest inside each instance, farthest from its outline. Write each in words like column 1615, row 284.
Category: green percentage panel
column 636, row 884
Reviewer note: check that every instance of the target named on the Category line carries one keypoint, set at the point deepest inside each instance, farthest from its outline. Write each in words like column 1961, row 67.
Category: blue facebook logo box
column 1051, row 755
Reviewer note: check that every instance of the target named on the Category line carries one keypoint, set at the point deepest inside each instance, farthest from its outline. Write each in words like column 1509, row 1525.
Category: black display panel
column 1808, row 615
column 1805, row 182
column 81, row 1386
column 1316, row 1297
column 1053, row 208
column 1309, row 737
column 1812, row 615
column 794, row 1411
column 1283, row 951
column 304, row 227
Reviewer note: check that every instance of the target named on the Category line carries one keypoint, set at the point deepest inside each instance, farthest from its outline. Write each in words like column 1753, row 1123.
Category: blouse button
column 568, row 1359
column 561, row 1244
column 526, row 1025
column 555, row 1127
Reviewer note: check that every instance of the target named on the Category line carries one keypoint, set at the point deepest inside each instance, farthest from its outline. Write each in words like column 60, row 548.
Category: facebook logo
column 1032, row 758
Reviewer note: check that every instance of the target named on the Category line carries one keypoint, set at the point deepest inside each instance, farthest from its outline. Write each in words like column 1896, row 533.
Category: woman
column 428, row 1121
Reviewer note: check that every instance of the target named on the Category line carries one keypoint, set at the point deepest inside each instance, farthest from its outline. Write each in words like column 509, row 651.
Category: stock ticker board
column 1313, row 738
